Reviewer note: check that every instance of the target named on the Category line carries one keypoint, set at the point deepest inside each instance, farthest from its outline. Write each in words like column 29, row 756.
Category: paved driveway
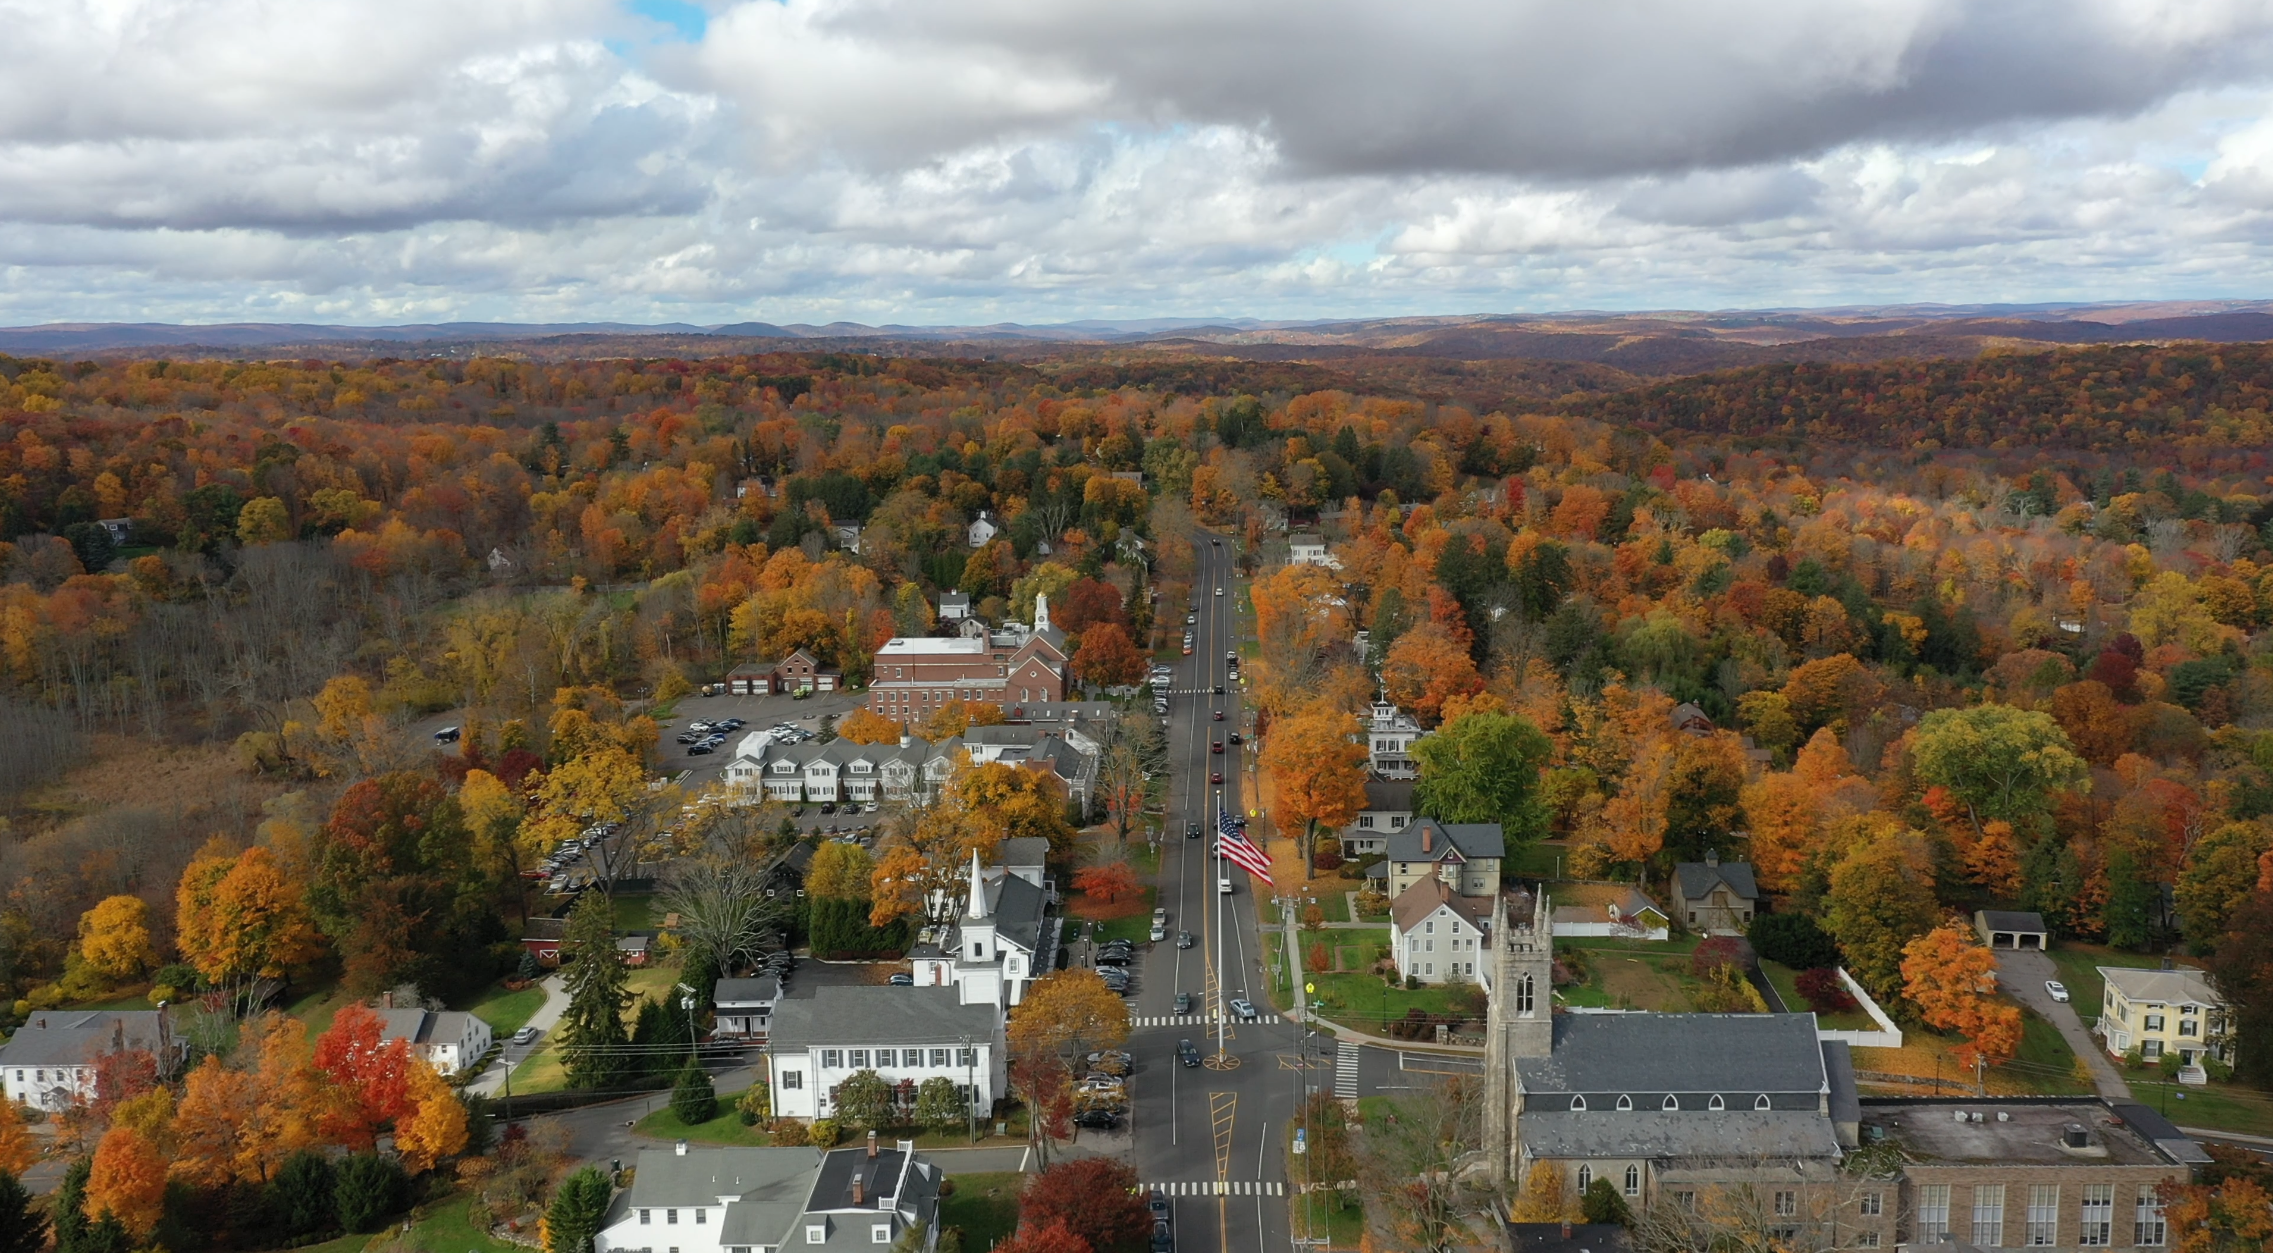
column 2022, row 973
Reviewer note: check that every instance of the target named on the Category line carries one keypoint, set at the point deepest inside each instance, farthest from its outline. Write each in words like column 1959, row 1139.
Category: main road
column 1212, row 1136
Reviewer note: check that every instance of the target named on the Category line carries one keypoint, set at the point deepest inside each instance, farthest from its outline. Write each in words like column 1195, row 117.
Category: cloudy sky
column 930, row 161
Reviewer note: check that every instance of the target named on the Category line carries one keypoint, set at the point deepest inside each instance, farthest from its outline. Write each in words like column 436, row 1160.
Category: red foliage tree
column 1053, row 1237
column 1095, row 1198
column 1088, row 603
column 1107, row 881
column 375, row 1074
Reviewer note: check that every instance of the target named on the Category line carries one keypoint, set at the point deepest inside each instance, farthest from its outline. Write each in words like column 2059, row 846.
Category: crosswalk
column 1173, row 1020
column 1216, row 1187
column 1345, row 1071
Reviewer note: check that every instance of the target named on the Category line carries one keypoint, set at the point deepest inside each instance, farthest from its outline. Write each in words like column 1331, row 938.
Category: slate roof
column 1018, row 910
column 1394, row 796
column 2168, row 987
column 880, row 1180
column 1570, row 1238
column 1473, row 839
column 1699, row 878
column 1839, row 1070
column 746, row 991
column 420, row 1026
column 1650, row 1055
column 865, row 1014
column 780, row 1178
column 76, row 1037
column 2026, row 921
column 1030, row 850
column 1686, row 1134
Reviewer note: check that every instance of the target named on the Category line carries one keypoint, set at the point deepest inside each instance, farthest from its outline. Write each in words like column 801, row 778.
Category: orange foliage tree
column 128, row 1180
column 435, row 1127
column 1317, row 774
column 1952, row 980
column 239, row 918
column 866, row 726
column 1107, row 881
column 1427, row 667
column 1107, row 657
column 958, row 716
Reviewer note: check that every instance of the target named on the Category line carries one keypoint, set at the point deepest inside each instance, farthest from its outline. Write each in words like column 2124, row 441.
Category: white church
column 1003, row 941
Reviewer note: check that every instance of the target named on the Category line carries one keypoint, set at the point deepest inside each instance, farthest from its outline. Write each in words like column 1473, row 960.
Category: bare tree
column 1418, row 1161
column 724, row 911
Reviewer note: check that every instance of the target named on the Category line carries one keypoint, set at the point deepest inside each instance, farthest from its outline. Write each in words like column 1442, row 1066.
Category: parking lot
column 759, row 712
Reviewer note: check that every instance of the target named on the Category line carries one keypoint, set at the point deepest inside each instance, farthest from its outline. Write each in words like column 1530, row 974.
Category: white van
column 1223, row 884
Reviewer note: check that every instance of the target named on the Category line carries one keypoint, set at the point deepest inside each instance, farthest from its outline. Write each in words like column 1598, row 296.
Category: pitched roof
column 1472, row 839
column 700, row 1176
column 1699, row 878
column 1028, row 850
column 1430, row 893
column 2012, row 920
column 2170, row 987
column 864, row 1014
column 1568, row 1238
column 1650, row 1055
column 1733, row 1133
column 746, row 991
column 1389, row 795
column 76, row 1037
column 1017, row 917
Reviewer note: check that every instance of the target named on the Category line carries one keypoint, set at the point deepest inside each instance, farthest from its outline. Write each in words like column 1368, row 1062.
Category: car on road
column 1183, row 939
column 1242, row 1007
column 902, row 981
column 1215, row 776
column 1163, row 1237
column 1101, row 1119
column 1159, row 933
column 1219, row 591
column 1219, row 689
column 2057, row 990
column 1183, row 1002
column 1191, row 830
column 1186, row 1053
column 1219, row 715
column 1223, row 884
column 526, row 1035
column 1235, row 738
column 1215, row 746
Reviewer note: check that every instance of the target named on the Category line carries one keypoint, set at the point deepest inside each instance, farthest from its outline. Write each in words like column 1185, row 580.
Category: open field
column 984, row 1206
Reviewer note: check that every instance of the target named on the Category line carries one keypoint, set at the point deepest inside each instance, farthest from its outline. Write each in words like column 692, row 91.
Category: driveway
column 492, row 1080
column 2022, row 974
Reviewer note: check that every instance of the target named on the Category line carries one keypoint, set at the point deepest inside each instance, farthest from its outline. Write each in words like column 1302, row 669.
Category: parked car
column 1109, row 1062
column 1101, row 1119
column 2057, row 990
column 1113, row 958
column 1159, row 933
column 697, row 750
column 902, row 981
column 448, row 735
column 525, row 1035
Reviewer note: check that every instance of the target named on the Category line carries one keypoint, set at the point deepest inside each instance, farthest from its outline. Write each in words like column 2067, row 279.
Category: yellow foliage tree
column 239, row 918
column 114, row 938
column 17, row 1149
column 1546, row 1197
column 866, row 726
column 1317, row 771
column 342, row 706
column 436, row 1127
column 1069, row 1014
column 599, row 785
column 128, row 1179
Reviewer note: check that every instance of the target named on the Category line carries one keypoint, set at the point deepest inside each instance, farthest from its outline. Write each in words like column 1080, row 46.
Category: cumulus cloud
column 953, row 160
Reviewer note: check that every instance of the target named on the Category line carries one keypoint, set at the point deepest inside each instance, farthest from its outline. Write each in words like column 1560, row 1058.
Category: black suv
column 1191, row 830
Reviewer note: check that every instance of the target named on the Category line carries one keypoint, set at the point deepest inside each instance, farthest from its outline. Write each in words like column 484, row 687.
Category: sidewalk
column 1327, row 1026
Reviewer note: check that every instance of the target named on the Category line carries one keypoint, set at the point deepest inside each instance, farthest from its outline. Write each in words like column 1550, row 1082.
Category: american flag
column 1232, row 844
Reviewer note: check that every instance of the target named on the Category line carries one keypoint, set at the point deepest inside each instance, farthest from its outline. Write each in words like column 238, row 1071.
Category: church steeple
column 978, row 907
column 1041, row 612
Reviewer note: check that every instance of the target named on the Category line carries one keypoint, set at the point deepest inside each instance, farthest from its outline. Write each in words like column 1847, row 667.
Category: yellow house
column 2159, row 1012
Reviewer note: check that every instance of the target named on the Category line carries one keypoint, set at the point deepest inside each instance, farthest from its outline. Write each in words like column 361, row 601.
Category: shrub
column 1602, row 1204
column 1714, row 953
column 1316, row 961
column 369, row 1190
column 1824, row 993
column 790, row 1133
column 1792, row 940
column 825, row 1133
column 300, row 1196
column 693, row 1099
column 1329, row 859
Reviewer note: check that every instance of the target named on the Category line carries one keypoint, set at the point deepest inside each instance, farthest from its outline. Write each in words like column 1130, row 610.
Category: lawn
column 1786, row 981
column 1335, row 901
column 1365, row 1003
column 2223, row 1106
column 318, row 1007
column 505, row 1011
column 984, row 1206
column 723, row 1128
column 638, row 913
column 2077, row 963
column 1621, row 974
column 1353, row 947
column 1540, row 860
column 440, row 1227
column 2045, row 1065
column 135, row 997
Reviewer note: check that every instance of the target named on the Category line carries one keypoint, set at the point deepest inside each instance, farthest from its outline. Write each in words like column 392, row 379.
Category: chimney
column 857, row 1195
column 680, row 1149
column 1427, row 829
column 872, row 1146
column 388, row 999
column 1566, row 1229
column 1712, row 857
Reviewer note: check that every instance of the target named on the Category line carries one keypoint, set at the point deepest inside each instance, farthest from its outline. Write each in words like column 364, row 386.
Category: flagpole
column 1221, row 861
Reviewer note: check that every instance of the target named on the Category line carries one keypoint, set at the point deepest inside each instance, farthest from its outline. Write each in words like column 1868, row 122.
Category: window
column 1687, row 1200
column 671, row 1218
column 1633, row 1181
column 966, row 1057
column 816, row 1233
column 1989, row 1215
column 1625, row 1102
column 2154, row 1022
column 646, row 1216
column 701, row 1216
column 792, row 1080
column 832, row 1059
column 2095, row 1216
column 939, row 1057
column 1670, row 1102
column 1866, row 1239
column 858, row 1059
column 2189, row 1027
column 1585, row 1174
column 880, row 1233
column 1870, row 1204
column 2044, row 1213
column 1578, row 1105
column 2147, row 1226
column 1431, row 927
column 2150, row 1049
column 1716, row 1102
column 1933, row 1214
column 1787, row 1203
column 1365, row 821
column 1523, row 995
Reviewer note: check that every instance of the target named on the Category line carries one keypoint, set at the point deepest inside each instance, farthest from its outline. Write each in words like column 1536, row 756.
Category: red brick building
column 913, row 676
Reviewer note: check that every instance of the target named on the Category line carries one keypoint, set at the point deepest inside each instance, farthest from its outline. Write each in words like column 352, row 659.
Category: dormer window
column 1760, row 1102
column 1716, row 1103
column 1625, row 1102
column 1578, row 1104
column 1670, row 1102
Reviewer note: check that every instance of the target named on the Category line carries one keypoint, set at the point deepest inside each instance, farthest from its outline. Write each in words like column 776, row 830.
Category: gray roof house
column 748, row 1200
column 745, row 1006
column 50, row 1062
column 1713, row 896
column 1466, row 855
column 447, row 1040
column 1388, row 807
column 1003, row 940
column 906, row 1035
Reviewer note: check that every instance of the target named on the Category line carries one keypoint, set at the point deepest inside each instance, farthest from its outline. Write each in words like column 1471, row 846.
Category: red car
column 1215, row 777
column 1216, row 747
column 1219, row 715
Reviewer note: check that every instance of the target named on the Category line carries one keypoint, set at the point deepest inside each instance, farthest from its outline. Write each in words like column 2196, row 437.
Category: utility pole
column 971, row 1087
